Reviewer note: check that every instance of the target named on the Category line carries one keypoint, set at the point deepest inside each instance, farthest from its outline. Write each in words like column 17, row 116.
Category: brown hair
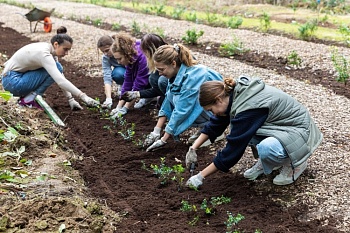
column 61, row 30
column 149, row 44
column 211, row 91
column 124, row 44
column 178, row 53
column 104, row 40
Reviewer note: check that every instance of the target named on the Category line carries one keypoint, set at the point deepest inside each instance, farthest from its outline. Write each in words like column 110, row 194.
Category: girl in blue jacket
column 181, row 106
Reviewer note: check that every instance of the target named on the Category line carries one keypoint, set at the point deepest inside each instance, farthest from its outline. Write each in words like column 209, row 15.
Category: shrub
column 307, row 30
column 265, row 22
column 232, row 48
column 294, row 59
column 341, row 65
column 234, row 22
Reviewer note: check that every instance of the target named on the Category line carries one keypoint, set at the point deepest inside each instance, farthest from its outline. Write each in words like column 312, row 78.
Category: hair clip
column 176, row 47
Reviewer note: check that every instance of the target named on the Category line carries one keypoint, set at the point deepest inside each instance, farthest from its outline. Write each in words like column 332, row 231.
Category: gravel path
column 327, row 193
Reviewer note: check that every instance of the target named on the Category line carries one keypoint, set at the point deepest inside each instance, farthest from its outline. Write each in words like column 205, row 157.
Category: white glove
column 74, row 105
column 151, row 138
column 90, row 102
column 195, row 180
column 108, row 103
column 156, row 145
column 191, row 157
column 121, row 112
column 130, row 95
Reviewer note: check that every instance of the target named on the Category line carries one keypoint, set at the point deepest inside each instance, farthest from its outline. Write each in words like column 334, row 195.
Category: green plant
column 234, row 22
column 192, row 16
column 220, row 200
column 265, row 22
column 187, row 207
column 232, row 221
column 232, row 48
column 159, row 31
column 178, row 12
column 293, row 58
column 116, row 26
column 158, row 10
column 307, row 30
column 162, row 171
column 97, row 22
column 211, row 17
column 341, row 65
column 135, row 28
column 6, row 95
column 345, row 32
column 192, row 36
column 127, row 130
column 178, row 169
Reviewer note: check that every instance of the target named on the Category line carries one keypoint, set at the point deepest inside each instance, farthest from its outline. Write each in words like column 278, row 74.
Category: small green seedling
column 162, row 171
column 341, row 65
column 178, row 169
column 232, row 221
column 294, row 59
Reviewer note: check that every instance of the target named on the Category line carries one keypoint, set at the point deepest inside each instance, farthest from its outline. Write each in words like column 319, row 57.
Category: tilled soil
column 118, row 172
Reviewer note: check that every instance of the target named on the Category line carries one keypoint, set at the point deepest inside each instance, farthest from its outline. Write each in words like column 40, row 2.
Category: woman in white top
column 35, row 67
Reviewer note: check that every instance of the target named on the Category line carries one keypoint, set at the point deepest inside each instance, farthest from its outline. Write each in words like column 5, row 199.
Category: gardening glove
column 74, row 105
column 121, row 112
column 156, row 145
column 151, row 138
column 191, row 157
column 195, row 180
column 107, row 104
column 130, row 95
column 90, row 102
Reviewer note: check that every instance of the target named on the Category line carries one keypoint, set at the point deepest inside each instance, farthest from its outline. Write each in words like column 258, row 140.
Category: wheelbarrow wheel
column 47, row 24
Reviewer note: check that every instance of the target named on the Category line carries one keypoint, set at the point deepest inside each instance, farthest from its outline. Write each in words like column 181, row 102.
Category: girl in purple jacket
column 126, row 50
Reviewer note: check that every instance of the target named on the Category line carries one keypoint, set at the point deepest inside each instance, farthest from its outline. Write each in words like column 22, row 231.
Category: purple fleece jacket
column 136, row 74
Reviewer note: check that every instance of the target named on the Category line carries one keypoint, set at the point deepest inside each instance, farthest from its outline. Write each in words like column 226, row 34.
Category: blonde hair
column 211, row 91
column 124, row 44
column 180, row 54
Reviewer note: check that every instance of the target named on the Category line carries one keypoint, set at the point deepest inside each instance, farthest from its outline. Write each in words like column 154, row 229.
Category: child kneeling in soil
column 35, row 67
column 278, row 128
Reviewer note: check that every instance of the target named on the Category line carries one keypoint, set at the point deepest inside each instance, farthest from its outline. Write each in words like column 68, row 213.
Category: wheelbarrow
column 38, row 16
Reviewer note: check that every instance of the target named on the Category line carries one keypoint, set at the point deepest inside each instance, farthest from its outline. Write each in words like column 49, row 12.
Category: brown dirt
column 113, row 167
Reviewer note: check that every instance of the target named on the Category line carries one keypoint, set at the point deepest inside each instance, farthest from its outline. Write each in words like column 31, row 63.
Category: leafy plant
column 178, row 12
column 192, row 16
column 307, row 30
column 265, row 22
column 341, row 65
column 211, row 17
column 234, row 22
column 97, row 22
column 135, row 28
column 187, row 207
column 158, row 10
column 127, row 130
column 294, row 59
column 116, row 26
column 162, row 171
column 345, row 31
column 232, row 221
column 232, row 48
column 192, row 36
column 178, row 169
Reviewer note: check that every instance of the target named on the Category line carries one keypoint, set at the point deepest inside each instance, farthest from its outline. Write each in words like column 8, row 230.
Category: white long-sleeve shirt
column 40, row 55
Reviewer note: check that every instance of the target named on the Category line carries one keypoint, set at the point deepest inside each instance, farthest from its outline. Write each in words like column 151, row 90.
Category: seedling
column 232, row 221
column 234, row 22
column 192, row 16
column 265, row 22
column 178, row 11
column 294, row 59
column 162, row 171
column 307, row 30
column 192, row 36
column 178, row 169
column 127, row 130
column 232, row 48
column 135, row 28
column 341, row 65
column 345, row 31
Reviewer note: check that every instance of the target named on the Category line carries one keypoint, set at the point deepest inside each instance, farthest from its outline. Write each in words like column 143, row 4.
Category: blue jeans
column 118, row 75
column 271, row 153
column 21, row 84
column 162, row 84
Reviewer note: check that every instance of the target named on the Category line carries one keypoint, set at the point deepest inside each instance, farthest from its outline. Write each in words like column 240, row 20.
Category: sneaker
column 208, row 142
column 30, row 104
column 255, row 171
column 286, row 175
column 144, row 101
column 194, row 136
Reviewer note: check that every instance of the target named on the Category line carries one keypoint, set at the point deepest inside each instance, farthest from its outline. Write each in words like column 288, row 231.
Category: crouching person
column 279, row 129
